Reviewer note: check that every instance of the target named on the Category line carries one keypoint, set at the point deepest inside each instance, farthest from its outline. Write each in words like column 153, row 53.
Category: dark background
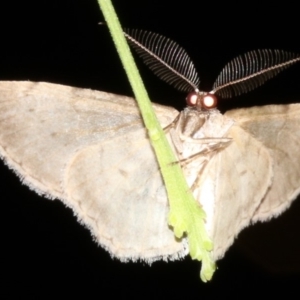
column 45, row 251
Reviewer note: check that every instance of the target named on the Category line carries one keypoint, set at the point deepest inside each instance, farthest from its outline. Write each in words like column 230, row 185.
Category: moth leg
column 172, row 124
column 204, row 155
column 224, row 142
column 210, row 145
column 196, row 182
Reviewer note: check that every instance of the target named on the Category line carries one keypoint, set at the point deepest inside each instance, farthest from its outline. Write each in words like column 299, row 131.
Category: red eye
column 209, row 101
column 192, row 99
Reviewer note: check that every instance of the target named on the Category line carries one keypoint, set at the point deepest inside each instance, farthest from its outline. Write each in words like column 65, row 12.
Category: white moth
column 90, row 150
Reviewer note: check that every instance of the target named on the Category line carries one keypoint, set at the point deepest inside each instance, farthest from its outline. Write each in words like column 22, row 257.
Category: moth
column 90, row 150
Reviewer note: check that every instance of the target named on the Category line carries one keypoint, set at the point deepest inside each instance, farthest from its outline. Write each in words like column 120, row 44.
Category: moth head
column 201, row 100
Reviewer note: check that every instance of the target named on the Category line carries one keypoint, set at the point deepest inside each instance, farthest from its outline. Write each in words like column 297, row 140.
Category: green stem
column 186, row 216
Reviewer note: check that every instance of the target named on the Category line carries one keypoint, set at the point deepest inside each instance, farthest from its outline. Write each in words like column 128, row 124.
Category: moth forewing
column 86, row 148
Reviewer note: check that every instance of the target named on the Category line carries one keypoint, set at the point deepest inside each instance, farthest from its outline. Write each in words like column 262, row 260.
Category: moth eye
column 209, row 101
column 192, row 99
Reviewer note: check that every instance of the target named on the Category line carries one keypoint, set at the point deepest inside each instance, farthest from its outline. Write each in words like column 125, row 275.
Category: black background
column 45, row 251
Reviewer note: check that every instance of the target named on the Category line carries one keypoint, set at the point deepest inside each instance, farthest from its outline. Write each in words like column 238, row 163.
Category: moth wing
column 90, row 150
column 231, row 187
column 277, row 128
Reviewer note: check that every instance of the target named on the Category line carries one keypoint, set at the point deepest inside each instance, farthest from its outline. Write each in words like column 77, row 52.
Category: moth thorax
column 201, row 100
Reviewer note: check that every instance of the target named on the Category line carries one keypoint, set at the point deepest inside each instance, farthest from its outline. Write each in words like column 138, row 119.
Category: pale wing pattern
column 236, row 178
column 278, row 128
column 90, row 150
column 117, row 188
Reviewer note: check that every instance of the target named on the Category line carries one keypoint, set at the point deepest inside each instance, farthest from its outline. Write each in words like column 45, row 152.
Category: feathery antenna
column 165, row 58
column 171, row 63
column 250, row 70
